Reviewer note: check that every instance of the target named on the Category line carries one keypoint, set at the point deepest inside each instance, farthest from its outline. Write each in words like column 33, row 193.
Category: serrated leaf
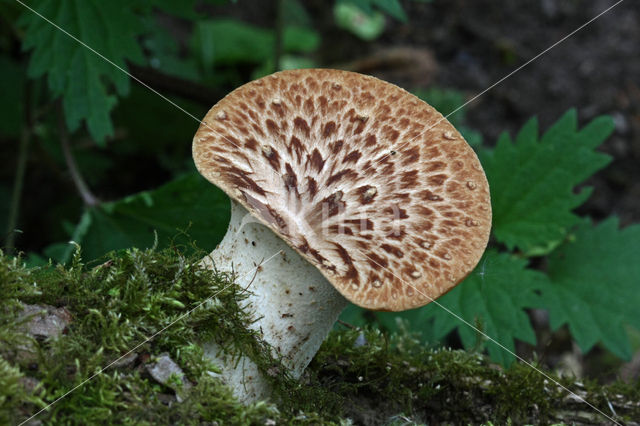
column 595, row 285
column 492, row 299
column 80, row 76
column 532, row 180
column 188, row 203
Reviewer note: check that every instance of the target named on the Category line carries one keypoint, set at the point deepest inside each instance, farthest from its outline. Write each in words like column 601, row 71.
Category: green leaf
column 299, row 39
column 595, row 285
column 73, row 71
column 492, row 299
column 366, row 25
column 224, row 41
column 532, row 180
column 228, row 41
column 188, row 203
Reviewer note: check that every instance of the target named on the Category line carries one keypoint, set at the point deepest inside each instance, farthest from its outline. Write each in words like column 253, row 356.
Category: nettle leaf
column 532, row 180
column 492, row 299
column 80, row 76
column 188, row 203
column 595, row 285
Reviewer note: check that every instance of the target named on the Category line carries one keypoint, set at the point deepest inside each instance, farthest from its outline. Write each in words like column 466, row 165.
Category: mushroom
column 366, row 194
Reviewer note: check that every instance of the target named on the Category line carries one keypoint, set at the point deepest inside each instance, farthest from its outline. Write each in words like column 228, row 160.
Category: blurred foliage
column 367, row 26
column 134, row 151
column 135, row 220
column 226, row 41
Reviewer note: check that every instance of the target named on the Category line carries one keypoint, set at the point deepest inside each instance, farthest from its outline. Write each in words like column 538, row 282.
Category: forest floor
column 74, row 350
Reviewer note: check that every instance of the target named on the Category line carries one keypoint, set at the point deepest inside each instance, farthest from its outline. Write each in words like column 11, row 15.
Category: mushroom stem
column 292, row 303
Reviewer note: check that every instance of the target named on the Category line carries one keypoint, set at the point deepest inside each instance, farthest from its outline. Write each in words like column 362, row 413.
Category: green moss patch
column 161, row 303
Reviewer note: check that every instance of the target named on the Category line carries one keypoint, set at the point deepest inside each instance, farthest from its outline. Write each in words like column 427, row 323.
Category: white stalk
column 293, row 304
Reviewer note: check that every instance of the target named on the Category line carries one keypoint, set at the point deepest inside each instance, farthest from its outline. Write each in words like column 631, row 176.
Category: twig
column 346, row 324
column 85, row 193
column 18, row 183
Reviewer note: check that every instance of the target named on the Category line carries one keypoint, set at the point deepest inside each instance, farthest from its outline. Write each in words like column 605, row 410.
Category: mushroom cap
column 369, row 183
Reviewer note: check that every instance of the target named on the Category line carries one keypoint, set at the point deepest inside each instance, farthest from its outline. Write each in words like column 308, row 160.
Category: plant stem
column 81, row 186
column 18, row 183
column 277, row 52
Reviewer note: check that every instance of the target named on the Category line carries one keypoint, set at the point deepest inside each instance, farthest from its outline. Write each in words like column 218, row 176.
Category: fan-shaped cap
column 369, row 183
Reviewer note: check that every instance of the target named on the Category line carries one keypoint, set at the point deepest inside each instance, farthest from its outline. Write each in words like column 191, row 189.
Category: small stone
column 446, row 256
column 377, row 283
column 221, row 115
column 471, row 185
column 471, row 222
column 416, row 274
column 277, row 101
column 164, row 369
column 47, row 321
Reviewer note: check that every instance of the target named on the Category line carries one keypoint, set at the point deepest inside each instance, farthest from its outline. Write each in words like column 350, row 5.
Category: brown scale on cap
column 369, row 183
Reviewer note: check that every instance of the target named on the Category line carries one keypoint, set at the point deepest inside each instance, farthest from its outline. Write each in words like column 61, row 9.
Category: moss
column 160, row 301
